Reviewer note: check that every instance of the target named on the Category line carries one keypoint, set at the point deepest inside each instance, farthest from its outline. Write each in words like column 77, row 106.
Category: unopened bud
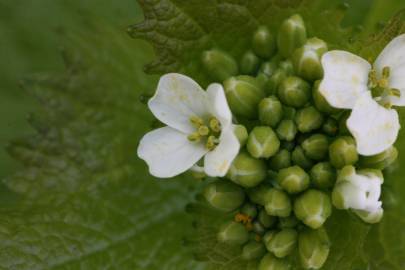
column 233, row 233
column 241, row 133
column 262, row 142
column 249, row 210
column 224, row 195
column 247, row 171
column 343, row 152
column 286, row 130
column 299, row 158
column 380, row 161
column 264, row 43
column 266, row 220
column 258, row 194
column 270, row 111
column 277, row 203
column 288, row 222
column 253, row 250
column 308, row 119
column 283, row 242
column 323, row 175
column 281, row 160
column 219, row 65
column 294, row 91
column 313, row 248
column 270, row 262
column 249, row 63
column 313, row 208
column 293, row 179
column 330, row 126
column 292, row 35
column 316, row 146
column 243, row 94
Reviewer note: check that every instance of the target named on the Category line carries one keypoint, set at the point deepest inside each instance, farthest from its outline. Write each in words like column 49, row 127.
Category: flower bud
column 294, row 91
column 313, row 208
column 283, row 243
column 219, row 65
column 241, row 133
column 308, row 119
column 277, row 203
column 281, row 160
column 253, row 250
column 343, row 152
column 275, row 81
column 380, row 161
column 293, row 179
column 316, row 147
column 270, row 262
column 270, row 111
column 307, row 59
column 313, row 248
column 262, row 142
column 370, row 217
column 299, row 158
column 249, row 63
column 249, row 210
column 289, row 113
column 287, row 66
column 330, row 126
column 243, row 94
column 233, row 233
column 266, row 220
column 286, row 130
column 288, row 222
column 268, row 68
column 258, row 194
column 224, row 195
column 247, row 171
column 323, row 175
column 267, row 237
column 320, row 102
column 292, row 35
column 264, row 43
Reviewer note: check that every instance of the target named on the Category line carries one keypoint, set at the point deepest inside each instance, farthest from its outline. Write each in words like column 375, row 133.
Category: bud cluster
column 294, row 145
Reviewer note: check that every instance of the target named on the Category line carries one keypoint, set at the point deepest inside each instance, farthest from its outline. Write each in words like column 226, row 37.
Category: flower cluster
column 292, row 130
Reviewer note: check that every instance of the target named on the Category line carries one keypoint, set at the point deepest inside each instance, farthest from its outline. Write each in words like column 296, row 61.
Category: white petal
column 374, row 127
column 177, row 98
column 393, row 56
column 218, row 161
column 218, row 104
column 168, row 152
column 345, row 78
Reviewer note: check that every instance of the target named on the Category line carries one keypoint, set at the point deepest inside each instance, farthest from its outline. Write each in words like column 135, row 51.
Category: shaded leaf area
column 84, row 200
column 181, row 30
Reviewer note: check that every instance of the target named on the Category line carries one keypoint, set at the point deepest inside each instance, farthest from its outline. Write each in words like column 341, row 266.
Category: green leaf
column 84, row 200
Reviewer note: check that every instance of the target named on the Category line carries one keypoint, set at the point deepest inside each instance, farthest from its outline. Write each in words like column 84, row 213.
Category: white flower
column 199, row 124
column 350, row 82
column 360, row 192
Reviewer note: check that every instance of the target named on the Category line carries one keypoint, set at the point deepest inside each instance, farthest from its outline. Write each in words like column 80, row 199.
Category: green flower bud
column 241, row 133
column 323, row 175
column 270, row 262
column 268, row 68
column 264, row 43
column 281, row 160
column 308, row 119
column 286, row 130
column 287, row 66
column 249, row 209
column 307, row 59
column 243, row 94
column 266, row 220
column 277, row 203
column 233, row 233
column 370, row 217
column 224, row 195
column 262, row 142
column 313, row 208
column 288, row 222
column 247, row 171
column 283, row 242
column 293, row 179
column 330, row 126
column 313, row 248
column 258, row 228
column 320, row 102
column 267, row 237
column 249, row 63
column 258, row 194
column 294, row 91
column 275, row 81
column 289, row 113
column 219, row 65
column 292, row 35
column 380, row 161
column 343, row 152
column 316, row 147
column 253, row 250
column 299, row 158
column 270, row 111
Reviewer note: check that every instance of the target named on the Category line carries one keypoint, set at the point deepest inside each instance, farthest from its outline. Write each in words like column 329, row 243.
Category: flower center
column 380, row 88
column 208, row 133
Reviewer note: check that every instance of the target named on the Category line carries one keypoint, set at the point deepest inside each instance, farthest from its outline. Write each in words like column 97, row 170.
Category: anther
column 215, row 125
column 203, row 130
column 194, row 137
column 196, row 121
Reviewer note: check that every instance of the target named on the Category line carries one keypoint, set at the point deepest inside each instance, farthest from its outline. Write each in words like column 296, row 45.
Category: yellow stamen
column 203, row 130
column 395, row 92
column 386, row 72
column 212, row 142
column 215, row 125
column 194, row 137
column 196, row 121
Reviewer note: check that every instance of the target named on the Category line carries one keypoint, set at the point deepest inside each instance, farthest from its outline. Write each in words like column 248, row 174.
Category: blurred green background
column 29, row 44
